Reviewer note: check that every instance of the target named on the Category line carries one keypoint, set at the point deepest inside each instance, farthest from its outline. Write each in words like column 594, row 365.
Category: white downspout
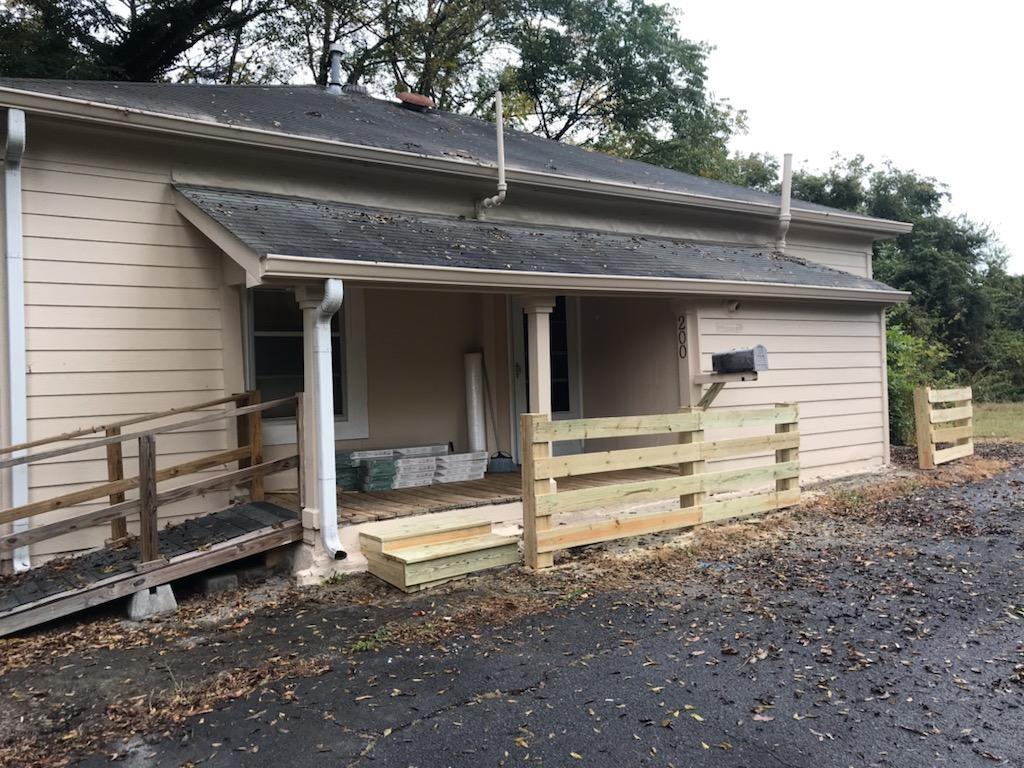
column 327, row 485
column 496, row 200
column 784, row 207
column 14, row 149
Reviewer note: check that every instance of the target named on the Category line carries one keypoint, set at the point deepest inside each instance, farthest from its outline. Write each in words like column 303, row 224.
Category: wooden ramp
column 61, row 587
column 155, row 556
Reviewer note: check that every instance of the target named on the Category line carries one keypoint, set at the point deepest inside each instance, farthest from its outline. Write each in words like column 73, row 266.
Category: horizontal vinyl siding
column 124, row 317
column 855, row 260
column 826, row 358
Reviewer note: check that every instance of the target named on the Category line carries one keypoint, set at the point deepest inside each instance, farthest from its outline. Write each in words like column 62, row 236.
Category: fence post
column 256, row 492
column 149, row 543
column 695, row 500
column 533, row 523
column 923, row 428
column 115, row 472
column 784, row 455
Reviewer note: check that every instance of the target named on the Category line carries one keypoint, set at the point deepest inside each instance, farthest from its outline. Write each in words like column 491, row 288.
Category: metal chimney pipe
column 334, row 83
column 784, row 207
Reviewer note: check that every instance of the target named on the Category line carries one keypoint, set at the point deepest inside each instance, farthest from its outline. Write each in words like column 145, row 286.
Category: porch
column 358, row 507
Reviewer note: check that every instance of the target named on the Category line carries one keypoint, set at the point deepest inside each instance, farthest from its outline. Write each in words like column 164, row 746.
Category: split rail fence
column 943, row 417
column 694, row 487
column 246, row 409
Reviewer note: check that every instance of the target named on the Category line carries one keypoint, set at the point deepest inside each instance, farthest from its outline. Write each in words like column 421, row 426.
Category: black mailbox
column 741, row 360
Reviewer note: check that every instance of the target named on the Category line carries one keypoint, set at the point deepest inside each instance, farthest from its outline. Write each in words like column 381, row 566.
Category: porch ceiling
column 305, row 238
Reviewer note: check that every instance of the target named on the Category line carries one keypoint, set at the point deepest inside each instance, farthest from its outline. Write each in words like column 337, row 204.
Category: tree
column 617, row 76
column 138, row 40
column 965, row 317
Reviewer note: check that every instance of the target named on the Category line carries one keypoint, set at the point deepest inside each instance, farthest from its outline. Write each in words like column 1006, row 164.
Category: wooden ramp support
column 943, row 417
column 419, row 553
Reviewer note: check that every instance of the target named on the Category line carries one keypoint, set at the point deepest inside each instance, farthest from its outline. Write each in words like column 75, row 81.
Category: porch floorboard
column 356, row 507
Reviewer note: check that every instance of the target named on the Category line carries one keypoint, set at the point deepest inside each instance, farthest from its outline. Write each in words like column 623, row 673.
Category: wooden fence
column 247, row 412
column 692, row 486
column 943, row 417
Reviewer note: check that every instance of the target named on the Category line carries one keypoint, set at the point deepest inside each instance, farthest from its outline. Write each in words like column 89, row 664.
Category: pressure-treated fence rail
column 246, row 409
column 693, row 486
column 943, row 417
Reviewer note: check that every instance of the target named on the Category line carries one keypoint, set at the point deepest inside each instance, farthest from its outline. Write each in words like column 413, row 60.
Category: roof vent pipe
column 334, row 84
column 496, row 200
column 787, row 192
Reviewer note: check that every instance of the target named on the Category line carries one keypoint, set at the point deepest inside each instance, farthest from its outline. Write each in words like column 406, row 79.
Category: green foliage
column 373, row 642
column 914, row 361
column 99, row 39
column 965, row 309
column 617, row 76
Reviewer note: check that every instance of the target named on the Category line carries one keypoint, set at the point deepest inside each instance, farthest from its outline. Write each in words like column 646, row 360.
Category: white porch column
column 538, row 341
column 538, row 334
column 319, row 304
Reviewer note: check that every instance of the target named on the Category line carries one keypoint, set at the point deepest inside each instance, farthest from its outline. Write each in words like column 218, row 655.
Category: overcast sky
column 933, row 86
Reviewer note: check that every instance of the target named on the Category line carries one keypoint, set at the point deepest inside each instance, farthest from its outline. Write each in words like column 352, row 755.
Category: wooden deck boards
column 63, row 586
column 355, row 507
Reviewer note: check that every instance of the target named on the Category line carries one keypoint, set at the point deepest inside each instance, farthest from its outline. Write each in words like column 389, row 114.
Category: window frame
column 354, row 423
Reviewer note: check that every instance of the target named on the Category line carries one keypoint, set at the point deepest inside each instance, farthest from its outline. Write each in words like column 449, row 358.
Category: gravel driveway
column 875, row 626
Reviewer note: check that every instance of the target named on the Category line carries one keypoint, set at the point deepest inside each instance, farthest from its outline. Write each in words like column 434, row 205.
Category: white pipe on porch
column 14, row 273
column 475, row 428
column 323, row 408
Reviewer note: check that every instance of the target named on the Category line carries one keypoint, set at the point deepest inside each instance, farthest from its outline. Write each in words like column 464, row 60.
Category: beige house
column 169, row 244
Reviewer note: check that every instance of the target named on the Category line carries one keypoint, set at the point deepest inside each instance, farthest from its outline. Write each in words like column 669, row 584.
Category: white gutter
column 17, row 399
column 292, row 267
column 98, row 112
column 327, row 485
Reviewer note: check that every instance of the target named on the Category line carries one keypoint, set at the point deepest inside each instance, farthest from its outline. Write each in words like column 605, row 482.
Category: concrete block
column 311, row 519
column 152, row 602
column 221, row 582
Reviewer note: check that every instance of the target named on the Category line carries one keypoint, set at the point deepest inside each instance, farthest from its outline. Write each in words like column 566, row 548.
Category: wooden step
column 393, row 535
column 421, row 554
column 427, row 565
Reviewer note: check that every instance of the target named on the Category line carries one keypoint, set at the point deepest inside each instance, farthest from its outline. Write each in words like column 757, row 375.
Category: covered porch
column 570, row 324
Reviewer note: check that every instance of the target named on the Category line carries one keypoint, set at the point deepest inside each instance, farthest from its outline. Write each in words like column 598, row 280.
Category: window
column 278, row 350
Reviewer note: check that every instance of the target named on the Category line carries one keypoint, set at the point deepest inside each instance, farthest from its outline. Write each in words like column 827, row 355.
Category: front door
column 565, row 367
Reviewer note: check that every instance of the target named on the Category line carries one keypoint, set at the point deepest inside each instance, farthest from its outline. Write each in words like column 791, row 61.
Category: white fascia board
column 284, row 267
column 82, row 109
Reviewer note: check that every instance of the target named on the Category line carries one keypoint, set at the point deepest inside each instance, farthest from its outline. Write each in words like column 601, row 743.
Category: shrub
column 913, row 362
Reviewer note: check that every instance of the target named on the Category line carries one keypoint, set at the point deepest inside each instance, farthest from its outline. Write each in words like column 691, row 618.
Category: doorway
column 566, row 386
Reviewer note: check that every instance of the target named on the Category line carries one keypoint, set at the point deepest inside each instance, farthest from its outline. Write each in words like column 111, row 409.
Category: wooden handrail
column 114, row 425
column 117, row 488
column 249, row 454
column 171, row 495
column 120, row 438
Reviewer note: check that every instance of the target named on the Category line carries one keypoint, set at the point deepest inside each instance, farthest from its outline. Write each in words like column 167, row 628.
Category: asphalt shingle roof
column 310, row 111
column 296, row 226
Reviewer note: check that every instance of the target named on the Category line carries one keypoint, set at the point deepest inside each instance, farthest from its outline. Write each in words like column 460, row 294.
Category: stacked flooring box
column 387, row 468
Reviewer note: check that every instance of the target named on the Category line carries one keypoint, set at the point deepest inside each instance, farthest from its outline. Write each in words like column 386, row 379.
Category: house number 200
column 681, row 335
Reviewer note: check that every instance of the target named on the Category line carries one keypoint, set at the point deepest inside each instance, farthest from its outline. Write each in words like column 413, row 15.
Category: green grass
column 999, row 420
